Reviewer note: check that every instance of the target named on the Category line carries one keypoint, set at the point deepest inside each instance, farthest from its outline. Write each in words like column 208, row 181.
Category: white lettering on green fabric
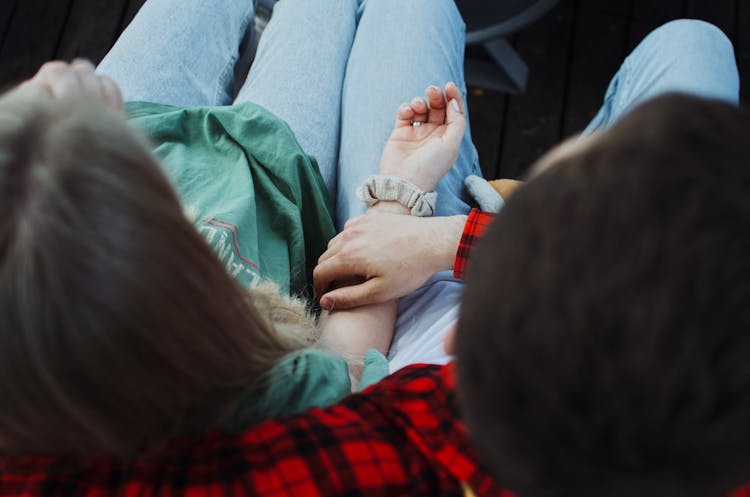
column 221, row 241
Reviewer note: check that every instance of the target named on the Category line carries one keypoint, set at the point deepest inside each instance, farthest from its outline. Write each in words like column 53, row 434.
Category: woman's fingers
column 455, row 116
column 404, row 116
column 437, row 102
column 60, row 79
column 111, row 93
column 452, row 92
column 420, row 108
column 78, row 80
column 84, row 71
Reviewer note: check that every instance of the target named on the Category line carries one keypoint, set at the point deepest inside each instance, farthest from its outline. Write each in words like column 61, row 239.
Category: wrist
column 390, row 207
column 447, row 236
column 381, row 188
column 425, row 186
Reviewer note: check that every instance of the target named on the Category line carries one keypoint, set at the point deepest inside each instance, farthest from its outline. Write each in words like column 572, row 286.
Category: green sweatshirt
column 261, row 202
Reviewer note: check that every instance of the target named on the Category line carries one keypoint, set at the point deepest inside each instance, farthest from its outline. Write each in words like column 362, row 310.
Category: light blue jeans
column 686, row 56
column 336, row 70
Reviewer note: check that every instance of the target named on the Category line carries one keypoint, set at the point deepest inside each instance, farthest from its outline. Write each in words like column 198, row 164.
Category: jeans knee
column 694, row 37
column 694, row 53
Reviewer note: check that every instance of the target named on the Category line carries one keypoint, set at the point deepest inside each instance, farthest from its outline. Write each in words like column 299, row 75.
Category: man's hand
column 394, row 255
column 60, row 79
column 423, row 153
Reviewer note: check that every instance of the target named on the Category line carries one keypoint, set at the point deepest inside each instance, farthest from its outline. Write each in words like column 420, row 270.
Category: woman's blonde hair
column 119, row 328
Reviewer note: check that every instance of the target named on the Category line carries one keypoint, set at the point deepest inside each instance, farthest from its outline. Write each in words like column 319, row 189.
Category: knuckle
column 54, row 67
column 348, row 254
column 82, row 62
column 82, row 66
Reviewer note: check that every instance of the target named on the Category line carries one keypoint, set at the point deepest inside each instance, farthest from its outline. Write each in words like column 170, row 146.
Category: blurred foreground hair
column 604, row 339
column 119, row 327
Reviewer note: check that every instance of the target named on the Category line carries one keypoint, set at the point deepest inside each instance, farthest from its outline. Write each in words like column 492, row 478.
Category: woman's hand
column 423, row 153
column 78, row 79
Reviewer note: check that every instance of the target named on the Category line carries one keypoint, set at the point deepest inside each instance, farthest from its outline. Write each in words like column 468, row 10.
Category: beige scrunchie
column 378, row 188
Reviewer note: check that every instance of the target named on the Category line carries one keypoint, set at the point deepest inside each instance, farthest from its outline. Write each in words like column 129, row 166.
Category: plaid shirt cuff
column 476, row 224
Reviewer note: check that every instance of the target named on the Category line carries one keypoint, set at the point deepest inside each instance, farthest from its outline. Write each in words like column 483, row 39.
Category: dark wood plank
column 742, row 48
column 620, row 8
column 533, row 120
column 487, row 112
column 647, row 10
column 718, row 12
column 32, row 38
column 91, row 28
column 598, row 50
column 648, row 15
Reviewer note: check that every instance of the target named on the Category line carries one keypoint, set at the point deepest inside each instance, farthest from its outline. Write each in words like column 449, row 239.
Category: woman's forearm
column 351, row 333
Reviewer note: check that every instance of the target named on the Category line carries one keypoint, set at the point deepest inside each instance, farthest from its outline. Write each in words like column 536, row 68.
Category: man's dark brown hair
column 604, row 339
column 119, row 327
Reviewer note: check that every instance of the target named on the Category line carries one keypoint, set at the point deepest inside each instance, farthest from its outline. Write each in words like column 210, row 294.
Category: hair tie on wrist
column 378, row 188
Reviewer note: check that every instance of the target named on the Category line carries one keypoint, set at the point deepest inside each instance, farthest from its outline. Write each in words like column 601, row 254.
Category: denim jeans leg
column 686, row 56
column 180, row 52
column 298, row 73
column 401, row 47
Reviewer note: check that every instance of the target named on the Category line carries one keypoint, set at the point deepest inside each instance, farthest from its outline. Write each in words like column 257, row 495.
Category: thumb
column 456, row 121
column 352, row 296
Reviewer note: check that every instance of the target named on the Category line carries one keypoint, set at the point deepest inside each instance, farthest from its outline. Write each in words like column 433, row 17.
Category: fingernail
column 433, row 87
column 455, row 105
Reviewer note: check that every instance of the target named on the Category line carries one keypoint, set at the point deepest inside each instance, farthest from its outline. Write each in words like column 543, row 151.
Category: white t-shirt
column 424, row 318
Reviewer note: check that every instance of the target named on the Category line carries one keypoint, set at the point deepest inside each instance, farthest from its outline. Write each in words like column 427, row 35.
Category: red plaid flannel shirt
column 476, row 224
column 399, row 437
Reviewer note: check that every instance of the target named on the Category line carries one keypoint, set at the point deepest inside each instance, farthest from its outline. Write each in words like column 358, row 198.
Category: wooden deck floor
column 572, row 53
